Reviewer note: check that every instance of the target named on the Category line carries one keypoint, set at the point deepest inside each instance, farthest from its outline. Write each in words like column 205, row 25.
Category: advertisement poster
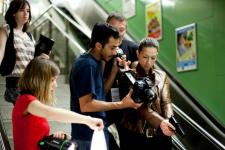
column 186, row 53
column 1, row 6
column 153, row 19
column 128, row 8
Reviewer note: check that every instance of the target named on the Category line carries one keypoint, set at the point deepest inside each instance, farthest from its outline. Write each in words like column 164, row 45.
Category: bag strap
column 11, row 34
column 30, row 35
column 9, row 59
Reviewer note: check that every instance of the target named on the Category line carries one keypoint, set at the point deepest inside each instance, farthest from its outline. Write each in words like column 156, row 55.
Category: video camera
column 177, row 125
column 142, row 88
column 51, row 143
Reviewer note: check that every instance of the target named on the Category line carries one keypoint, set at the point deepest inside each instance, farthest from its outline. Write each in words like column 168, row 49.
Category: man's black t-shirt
column 129, row 48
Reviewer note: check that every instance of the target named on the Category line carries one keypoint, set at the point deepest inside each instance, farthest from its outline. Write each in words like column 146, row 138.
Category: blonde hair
column 37, row 77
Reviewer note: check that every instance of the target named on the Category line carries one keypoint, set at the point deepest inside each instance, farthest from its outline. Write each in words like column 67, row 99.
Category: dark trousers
column 112, row 143
column 133, row 141
column 86, row 145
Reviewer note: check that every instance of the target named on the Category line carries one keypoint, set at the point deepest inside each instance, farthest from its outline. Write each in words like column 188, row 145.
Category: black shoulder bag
column 9, row 59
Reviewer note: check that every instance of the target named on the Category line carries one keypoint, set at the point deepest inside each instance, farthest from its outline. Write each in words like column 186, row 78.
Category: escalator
column 71, row 28
column 72, row 25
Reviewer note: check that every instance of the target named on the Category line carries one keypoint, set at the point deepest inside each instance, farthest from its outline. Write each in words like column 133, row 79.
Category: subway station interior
column 197, row 76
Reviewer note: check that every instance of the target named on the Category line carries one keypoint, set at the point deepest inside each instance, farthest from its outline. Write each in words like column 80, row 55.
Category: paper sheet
column 98, row 141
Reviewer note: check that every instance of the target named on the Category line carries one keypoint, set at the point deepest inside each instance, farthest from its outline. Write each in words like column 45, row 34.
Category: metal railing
column 67, row 22
column 177, row 144
column 66, row 35
column 48, row 18
column 75, row 24
column 4, row 141
column 198, row 127
column 4, row 6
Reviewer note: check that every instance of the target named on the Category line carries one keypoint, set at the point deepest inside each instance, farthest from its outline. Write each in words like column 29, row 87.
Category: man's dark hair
column 117, row 16
column 14, row 7
column 101, row 33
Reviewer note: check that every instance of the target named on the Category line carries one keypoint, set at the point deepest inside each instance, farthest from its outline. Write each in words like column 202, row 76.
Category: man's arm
column 88, row 104
column 110, row 79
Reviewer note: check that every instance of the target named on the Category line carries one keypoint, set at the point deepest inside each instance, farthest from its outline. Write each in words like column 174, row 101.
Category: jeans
column 83, row 145
column 86, row 145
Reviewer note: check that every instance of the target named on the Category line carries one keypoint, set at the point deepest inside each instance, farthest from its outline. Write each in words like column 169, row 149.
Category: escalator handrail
column 2, row 145
column 176, row 143
column 197, row 127
column 52, row 6
column 48, row 18
column 4, row 141
column 4, row 7
column 204, row 113
column 197, row 107
column 66, row 35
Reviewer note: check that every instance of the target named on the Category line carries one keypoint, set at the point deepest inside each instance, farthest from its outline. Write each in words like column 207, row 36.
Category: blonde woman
column 32, row 108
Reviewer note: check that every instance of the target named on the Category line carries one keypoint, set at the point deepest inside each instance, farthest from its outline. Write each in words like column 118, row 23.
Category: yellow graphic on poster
column 186, row 48
column 153, row 19
column 1, row 6
column 128, row 8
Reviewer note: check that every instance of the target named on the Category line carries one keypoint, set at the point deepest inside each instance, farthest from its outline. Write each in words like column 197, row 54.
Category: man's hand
column 128, row 102
column 123, row 62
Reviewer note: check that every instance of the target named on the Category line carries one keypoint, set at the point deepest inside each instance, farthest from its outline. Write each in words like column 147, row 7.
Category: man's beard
column 105, row 59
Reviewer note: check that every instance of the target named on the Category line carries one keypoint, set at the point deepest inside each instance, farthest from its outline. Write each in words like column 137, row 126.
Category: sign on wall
column 186, row 53
column 1, row 6
column 153, row 19
column 129, row 8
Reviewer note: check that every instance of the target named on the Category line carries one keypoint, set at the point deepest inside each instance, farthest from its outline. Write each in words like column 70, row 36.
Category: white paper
column 98, row 141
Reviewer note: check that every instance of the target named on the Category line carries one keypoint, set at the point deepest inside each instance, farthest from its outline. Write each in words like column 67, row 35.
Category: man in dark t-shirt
column 87, row 86
column 115, row 93
column 129, row 48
